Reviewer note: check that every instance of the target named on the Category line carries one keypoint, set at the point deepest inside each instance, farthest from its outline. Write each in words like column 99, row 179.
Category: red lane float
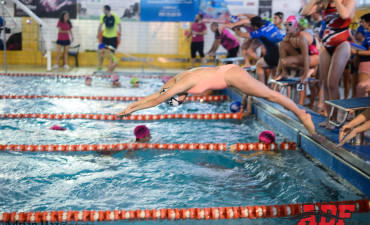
column 212, row 98
column 125, row 146
column 215, row 116
column 246, row 212
column 74, row 76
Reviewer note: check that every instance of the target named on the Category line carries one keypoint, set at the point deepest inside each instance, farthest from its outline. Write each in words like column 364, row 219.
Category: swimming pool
column 143, row 179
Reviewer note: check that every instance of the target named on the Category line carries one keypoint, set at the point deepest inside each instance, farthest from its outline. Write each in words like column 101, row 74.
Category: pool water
column 143, row 179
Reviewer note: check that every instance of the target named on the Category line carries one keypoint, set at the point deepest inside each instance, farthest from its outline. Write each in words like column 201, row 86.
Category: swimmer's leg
column 240, row 79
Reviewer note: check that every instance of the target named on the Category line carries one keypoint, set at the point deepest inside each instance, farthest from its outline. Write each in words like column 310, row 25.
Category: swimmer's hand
column 346, row 130
column 303, row 80
column 123, row 114
column 232, row 148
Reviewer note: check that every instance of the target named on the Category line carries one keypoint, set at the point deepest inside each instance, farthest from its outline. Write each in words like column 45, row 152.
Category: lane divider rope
column 242, row 147
column 209, row 116
column 234, row 212
column 74, row 76
column 112, row 98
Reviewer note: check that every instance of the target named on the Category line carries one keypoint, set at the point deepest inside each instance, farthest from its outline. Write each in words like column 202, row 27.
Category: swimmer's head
column 166, row 79
column 142, row 133
column 303, row 23
column 56, row 127
column 291, row 21
column 135, row 82
column 267, row 136
column 115, row 80
column 235, row 106
column 88, row 80
column 175, row 100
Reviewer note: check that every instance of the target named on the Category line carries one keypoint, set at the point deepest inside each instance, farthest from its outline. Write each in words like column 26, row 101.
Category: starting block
column 294, row 83
column 234, row 60
column 356, row 105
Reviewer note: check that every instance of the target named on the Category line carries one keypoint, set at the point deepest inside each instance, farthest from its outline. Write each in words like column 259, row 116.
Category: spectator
column 269, row 35
column 298, row 51
column 108, row 52
column 351, row 129
column 363, row 87
column 303, row 26
column 335, row 51
column 110, row 37
column 64, row 30
column 198, row 30
column 250, row 46
column 319, row 26
column 226, row 39
column 279, row 22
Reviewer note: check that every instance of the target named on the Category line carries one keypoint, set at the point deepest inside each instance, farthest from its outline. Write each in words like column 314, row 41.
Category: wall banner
column 47, row 8
column 169, row 10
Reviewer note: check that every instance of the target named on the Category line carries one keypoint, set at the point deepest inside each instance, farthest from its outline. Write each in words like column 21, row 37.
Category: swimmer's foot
column 245, row 66
column 282, row 77
column 323, row 124
column 330, row 126
column 307, row 122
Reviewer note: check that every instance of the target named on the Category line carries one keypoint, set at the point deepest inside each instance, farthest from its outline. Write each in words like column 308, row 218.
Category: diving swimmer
column 198, row 80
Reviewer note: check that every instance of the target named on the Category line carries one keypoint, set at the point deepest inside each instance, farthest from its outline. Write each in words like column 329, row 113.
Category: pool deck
column 350, row 162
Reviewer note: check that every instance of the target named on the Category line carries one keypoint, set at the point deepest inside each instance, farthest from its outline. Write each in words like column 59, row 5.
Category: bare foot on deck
column 245, row 66
column 323, row 124
column 281, row 77
column 307, row 122
column 330, row 126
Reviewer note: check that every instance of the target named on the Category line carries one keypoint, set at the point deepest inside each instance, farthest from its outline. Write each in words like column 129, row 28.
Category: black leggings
column 197, row 47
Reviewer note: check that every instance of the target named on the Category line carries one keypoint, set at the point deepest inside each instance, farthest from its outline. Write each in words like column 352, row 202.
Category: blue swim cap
column 101, row 46
column 235, row 106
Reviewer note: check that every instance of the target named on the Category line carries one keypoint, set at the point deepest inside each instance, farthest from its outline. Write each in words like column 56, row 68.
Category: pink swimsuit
column 211, row 81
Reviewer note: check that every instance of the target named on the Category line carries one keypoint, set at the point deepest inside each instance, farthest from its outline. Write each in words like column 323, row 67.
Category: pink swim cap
column 292, row 19
column 166, row 79
column 141, row 131
column 56, row 127
column 267, row 136
column 88, row 77
column 114, row 78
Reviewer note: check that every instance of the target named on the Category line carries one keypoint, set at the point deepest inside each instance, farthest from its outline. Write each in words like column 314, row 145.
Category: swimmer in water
column 115, row 81
column 266, row 137
column 142, row 134
column 135, row 82
column 88, row 81
column 198, row 80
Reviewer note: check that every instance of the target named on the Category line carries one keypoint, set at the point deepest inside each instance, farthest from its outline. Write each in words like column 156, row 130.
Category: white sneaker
column 56, row 66
column 66, row 66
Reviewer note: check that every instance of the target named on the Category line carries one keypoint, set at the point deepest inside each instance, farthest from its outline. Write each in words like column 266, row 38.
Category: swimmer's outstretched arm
column 156, row 99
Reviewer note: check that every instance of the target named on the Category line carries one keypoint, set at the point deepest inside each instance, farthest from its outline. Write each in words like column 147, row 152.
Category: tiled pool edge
column 295, row 132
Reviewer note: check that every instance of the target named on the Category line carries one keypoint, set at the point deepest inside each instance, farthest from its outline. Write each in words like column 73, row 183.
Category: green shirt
column 110, row 32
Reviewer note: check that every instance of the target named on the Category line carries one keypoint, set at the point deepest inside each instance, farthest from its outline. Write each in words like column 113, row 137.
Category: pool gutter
column 347, row 165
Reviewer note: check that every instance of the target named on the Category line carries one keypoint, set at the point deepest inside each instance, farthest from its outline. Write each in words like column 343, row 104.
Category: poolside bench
column 356, row 105
column 291, row 82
